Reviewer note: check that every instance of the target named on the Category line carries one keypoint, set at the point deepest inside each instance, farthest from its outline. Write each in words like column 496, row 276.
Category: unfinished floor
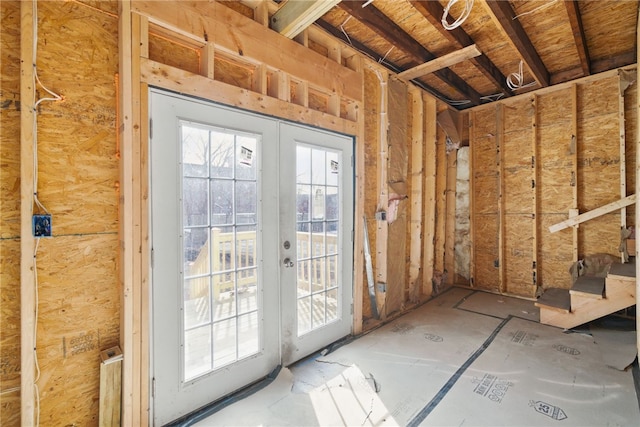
column 463, row 358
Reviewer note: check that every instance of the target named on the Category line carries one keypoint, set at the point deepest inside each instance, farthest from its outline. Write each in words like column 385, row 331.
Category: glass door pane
column 220, row 281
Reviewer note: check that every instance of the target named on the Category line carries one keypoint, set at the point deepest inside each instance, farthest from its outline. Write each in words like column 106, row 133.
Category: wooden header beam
column 295, row 16
column 602, row 210
column 442, row 62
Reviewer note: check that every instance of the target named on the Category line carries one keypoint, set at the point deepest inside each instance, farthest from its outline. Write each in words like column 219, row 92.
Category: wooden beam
column 433, row 11
column 362, row 48
column 379, row 23
column 534, row 196
column 623, row 154
column 27, row 241
column 430, row 152
column 472, row 238
column 573, row 149
column 502, row 283
column 415, row 226
column 441, row 62
column 382, row 226
column 595, row 213
column 597, row 66
column 503, row 15
column 573, row 11
column 295, row 16
column 450, row 222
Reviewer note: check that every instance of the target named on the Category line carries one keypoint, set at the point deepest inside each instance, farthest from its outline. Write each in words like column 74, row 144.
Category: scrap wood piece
column 602, row 210
column 441, row 62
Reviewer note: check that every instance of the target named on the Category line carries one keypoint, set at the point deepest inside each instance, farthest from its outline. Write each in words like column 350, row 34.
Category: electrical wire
column 544, row 6
column 465, row 14
column 519, row 79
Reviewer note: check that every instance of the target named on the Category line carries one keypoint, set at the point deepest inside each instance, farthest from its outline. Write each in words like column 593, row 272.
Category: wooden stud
column 441, row 199
column 501, row 208
column 623, row 156
column 472, row 136
column 429, row 190
column 261, row 13
column 534, row 197
column 637, row 218
column 450, row 225
column 573, row 149
column 260, row 79
column 295, row 16
column 441, row 62
column 382, row 226
column 207, row 57
column 416, row 195
column 27, row 241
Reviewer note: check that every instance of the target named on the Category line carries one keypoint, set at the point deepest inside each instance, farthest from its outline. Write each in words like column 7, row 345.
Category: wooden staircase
column 590, row 298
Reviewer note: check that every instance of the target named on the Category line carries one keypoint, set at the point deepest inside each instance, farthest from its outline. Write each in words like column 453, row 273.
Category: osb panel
column 468, row 72
column 490, row 40
column 518, row 252
column 554, row 107
column 555, row 193
column 372, row 155
column 600, row 235
column 631, row 123
column 10, row 330
column 78, row 164
column 484, row 124
column 317, row 47
column 238, row 7
column 518, row 194
column 78, row 317
column 397, row 134
column 434, row 82
column 598, row 98
column 173, row 54
column 550, row 33
column 485, row 190
column 10, row 120
column 485, row 247
column 598, row 161
column 232, row 73
column 485, row 156
column 318, row 101
column 517, row 115
column 555, row 252
column 356, row 30
column 600, row 17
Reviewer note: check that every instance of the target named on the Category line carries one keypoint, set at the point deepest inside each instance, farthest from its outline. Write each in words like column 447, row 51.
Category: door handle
column 287, row 262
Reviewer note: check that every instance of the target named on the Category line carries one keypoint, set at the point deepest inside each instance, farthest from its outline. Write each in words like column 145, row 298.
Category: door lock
column 288, row 263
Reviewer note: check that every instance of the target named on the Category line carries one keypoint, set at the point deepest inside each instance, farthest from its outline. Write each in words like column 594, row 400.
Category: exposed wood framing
column 602, row 210
column 597, row 66
column 472, row 138
column 294, row 16
column 382, row 226
column 573, row 11
column 503, row 15
column 534, row 196
column 450, row 226
column 502, row 285
column 441, row 200
column 573, row 149
column 389, row 30
column 130, row 396
column 416, row 234
column 430, row 152
column 433, row 11
column 27, row 241
column 623, row 164
column 637, row 218
column 441, row 62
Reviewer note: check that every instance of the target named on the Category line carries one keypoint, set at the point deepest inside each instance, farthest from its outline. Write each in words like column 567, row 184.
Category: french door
column 251, row 223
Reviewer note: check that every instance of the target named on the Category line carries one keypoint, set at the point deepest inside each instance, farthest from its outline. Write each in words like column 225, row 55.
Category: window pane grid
column 219, row 214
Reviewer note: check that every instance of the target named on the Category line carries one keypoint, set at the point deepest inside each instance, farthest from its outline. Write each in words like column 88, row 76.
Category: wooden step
column 623, row 270
column 555, row 299
column 589, row 287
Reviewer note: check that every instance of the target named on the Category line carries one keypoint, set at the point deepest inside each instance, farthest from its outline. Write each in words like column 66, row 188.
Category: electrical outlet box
column 381, row 216
column 41, row 225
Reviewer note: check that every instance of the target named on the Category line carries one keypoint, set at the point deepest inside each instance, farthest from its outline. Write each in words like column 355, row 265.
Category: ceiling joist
column 433, row 11
column 294, row 16
column 503, row 15
column 578, row 35
column 442, row 62
column 390, row 31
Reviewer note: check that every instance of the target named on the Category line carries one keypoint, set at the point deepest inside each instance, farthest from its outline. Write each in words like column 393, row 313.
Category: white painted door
column 228, row 189
column 316, row 223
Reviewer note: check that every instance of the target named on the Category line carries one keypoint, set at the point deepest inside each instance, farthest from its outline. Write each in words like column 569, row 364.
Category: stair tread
column 627, row 269
column 589, row 285
column 557, row 298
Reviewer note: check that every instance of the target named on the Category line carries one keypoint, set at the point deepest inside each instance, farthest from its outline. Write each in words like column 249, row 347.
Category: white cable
column 465, row 14
column 381, row 60
column 519, row 79
column 367, row 3
column 544, row 6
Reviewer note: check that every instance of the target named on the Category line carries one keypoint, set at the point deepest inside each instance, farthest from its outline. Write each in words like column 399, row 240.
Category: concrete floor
column 464, row 358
